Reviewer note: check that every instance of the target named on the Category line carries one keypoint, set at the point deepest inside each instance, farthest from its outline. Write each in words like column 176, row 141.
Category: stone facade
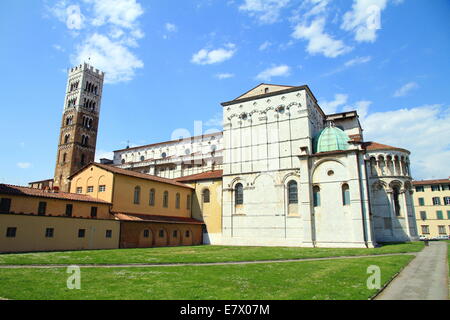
column 79, row 125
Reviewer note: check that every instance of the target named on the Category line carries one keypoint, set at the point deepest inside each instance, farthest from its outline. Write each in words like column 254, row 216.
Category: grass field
column 198, row 254
column 312, row 280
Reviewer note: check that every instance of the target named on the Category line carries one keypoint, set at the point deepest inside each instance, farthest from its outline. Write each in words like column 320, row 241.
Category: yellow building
column 207, row 201
column 432, row 207
column 153, row 211
column 38, row 220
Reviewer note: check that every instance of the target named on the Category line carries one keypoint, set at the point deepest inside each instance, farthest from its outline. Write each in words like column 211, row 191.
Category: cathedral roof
column 331, row 139
column 209, row 175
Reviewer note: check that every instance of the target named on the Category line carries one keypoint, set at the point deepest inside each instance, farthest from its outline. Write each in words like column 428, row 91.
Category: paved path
column 195, row 264
column 425, row 278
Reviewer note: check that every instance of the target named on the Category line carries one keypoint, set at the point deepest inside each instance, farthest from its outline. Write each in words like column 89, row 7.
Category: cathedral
column 281, row 173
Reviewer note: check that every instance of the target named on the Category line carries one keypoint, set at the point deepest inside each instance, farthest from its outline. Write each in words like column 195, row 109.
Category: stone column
column 405, row 204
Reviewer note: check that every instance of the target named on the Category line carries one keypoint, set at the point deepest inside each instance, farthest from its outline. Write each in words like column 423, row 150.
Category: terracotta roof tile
column 216, row 174
column 371, row 145
column 154, row 218
column 425, row 182
column 25, row 191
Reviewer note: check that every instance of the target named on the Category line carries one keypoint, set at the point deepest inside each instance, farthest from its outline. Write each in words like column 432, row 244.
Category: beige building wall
column 208, row 212
column 94, row 177
column 433, row 220
column 30, row 233
column 56, row 207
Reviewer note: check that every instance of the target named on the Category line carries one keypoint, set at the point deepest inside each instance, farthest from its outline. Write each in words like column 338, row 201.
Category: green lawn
column 198, row 254
column 312, row 280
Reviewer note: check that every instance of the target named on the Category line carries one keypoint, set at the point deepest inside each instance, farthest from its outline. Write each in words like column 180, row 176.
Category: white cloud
column 205, row 56
column 267, row 11
column 224, row 75
column 364, row 19
column 319, row 41
column 265, row 45
column 404, row 90
column 276, row 71
column 357, row 60
column 361, row 107
column 110, row 30
column 115, row 59
column 58, row 48
column 423, row 130
column 170, row 27
column 330, row 107
column 24, row 165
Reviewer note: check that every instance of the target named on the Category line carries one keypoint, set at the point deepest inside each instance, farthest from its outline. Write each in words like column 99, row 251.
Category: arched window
column 123, row 161
column 206, row 196
column 166, row 199
column 64, row 158
column 188, row 202
column 137, row 195
column 292, row 192
column 345, row 195
column 396, row 194
column 66, row 138
column 177, row 201
column 146, row 233
column 316, row 196
column 152, row 197
column 239, row 194
column 83, row 160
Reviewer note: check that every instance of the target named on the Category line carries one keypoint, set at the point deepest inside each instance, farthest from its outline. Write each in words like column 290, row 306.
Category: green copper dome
column 331, row 139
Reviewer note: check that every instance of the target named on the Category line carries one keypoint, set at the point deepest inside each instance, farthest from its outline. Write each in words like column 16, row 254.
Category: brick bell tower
column 78, row 134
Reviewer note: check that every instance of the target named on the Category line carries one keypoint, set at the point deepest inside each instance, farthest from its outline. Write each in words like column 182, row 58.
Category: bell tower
column 78, row 134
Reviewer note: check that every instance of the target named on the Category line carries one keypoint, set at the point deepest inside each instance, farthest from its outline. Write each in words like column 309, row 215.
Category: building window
column 177, row 201
column 137, row 195
column 166, row 199
column 188, row 234
column 90, row 189
column 142, row 158
column 206, row 196
column 83, row 160
column 69, row 209
column 445, row 187
column 49, row 232
column 421, row 202
column 188, row 202
column 420, row 189
column 423, row 215
column 439, row 215
column 292, row 192
column 436, row 201
column 239, row 194
column 448, row 214
column 101, row 188
column 447, row 201
column 442, row 230
column 345, row 195
column 316, row 196
column 425, row 229
column 42, row 208
column 161, row 233
column 175, row 234
column 81, row 233
column 435, row 188
column 108, row 234
column 79, row 190
column 146, row 233
column 152, row 197
column 94, row 212
column 396, row 194
column 11, row 232
column 5, row 205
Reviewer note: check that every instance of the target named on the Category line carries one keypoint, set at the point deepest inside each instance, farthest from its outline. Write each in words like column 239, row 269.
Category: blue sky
column 170, row 63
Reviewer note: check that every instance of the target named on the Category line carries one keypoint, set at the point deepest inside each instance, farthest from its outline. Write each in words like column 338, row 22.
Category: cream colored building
column 432, row 207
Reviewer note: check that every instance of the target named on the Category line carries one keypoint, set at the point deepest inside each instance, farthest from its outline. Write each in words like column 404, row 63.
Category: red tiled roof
column 424, row 182
column 371, row 145
column 134, row 174
column 216, row 174
column 25, row 191
column 154, row 218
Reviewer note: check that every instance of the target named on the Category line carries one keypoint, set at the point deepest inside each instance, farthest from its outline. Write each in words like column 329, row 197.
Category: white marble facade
column 344, row 198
